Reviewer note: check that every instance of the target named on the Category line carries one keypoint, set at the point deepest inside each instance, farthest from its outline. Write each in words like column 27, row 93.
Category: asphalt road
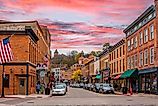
column 80, row 97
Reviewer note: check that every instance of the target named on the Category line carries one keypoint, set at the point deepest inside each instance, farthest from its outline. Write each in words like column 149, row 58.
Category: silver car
column 59, row 90
column 106, row 88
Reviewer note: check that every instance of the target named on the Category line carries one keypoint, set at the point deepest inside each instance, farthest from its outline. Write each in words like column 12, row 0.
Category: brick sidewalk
column 27, row 96
column 137, row 94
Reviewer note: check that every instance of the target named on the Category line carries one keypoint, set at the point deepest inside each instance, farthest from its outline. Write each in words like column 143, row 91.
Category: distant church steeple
column 56, row 53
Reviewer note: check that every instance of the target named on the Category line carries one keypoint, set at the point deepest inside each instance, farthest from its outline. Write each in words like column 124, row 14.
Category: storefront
column 130, row 79
column 117, row 82
column 106, row 75
column 98, row 78
column 148, row 79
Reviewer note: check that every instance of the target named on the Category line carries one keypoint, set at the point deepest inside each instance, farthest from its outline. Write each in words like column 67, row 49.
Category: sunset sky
column 77, row 24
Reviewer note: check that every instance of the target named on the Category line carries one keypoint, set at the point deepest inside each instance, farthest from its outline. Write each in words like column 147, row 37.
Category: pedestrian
column 38, row 87
column 42, row 88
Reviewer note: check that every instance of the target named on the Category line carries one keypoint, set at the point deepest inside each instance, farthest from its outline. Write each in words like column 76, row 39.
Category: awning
column 106, row 78
column 98, row 77
column 117, row 77
column 130, row 73
column 148, row 70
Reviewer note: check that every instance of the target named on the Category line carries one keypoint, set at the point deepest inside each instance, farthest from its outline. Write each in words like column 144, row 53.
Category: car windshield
column 59, row 87
column 107, row 85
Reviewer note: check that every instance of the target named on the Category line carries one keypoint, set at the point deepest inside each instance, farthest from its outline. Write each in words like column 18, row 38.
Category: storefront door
column 22, row 86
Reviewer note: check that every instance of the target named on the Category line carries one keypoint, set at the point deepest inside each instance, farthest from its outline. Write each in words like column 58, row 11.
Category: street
column 80, row 97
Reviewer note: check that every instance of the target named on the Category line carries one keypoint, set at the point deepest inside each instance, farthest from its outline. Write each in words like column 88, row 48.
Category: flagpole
column 2, row 95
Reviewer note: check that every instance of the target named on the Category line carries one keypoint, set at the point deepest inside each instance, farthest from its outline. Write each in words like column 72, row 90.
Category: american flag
column 6, row 54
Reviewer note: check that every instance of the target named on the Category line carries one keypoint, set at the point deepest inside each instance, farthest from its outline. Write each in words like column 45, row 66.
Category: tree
column 76, row 75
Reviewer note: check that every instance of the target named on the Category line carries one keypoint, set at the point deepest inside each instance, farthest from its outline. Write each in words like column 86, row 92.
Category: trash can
column 124, row 90
column 47, row 91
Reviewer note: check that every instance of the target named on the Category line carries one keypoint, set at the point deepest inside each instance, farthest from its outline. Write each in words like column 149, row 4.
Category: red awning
column 106, row 78
column 117, row 77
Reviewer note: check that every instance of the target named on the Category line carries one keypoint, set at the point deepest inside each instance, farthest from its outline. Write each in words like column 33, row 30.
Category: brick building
column 142, row 43
column 104, row 63
column 30, row 44
column 117, row 61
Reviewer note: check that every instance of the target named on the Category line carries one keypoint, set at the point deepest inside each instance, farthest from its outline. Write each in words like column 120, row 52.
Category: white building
column 57, row 73
column 96, row 66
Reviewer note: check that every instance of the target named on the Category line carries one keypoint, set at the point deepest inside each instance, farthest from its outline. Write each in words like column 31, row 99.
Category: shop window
column 6, row 81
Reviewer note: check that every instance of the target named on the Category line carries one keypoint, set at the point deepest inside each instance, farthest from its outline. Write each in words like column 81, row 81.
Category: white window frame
column 151, row 31
column 132, row 42
column 151, row 55
column 140, row 38
column 146, row 35
column 141, row 59
column 129, row 44
column 135, row 42
column 146, row 57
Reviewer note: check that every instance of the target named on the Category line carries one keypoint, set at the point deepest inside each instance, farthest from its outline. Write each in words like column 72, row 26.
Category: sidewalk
column 27, row 96
column 137, row 94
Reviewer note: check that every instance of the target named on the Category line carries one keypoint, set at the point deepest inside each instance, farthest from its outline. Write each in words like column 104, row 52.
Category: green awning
column 98, row 77
column 130, row 73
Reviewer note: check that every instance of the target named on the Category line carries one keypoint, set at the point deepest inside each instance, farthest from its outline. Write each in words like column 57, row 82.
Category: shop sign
column 12, row 27
column 42, row 74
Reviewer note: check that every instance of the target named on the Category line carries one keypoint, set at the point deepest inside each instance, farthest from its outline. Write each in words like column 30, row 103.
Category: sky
column 77, row 24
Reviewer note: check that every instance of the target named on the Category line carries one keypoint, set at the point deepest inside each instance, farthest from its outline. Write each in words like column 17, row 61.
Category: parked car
column 64, row 86
column 81, row 85
column 88, row 86
column 97, row 87
column 85, row 86
column 59, row 90
column 91, row 87
column 106, row 88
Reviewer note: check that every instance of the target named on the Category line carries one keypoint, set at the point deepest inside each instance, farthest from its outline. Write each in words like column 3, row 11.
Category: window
column 117, row 65
column 114, row 54
column 129, row 43
column 141, row 59
column 123, row 64
column 123, row 49
column 120, row 66
column 117, row 53
column 6, row 81
column 151, row 32
column 114, row 67
column 141, row 38
column 132, row 62
column 135, row 42
column 146, row 56
column 129, row 62
column 135, row 63
column 132, row 43
column 151, row 55
column 145, row 35
column 120, row 51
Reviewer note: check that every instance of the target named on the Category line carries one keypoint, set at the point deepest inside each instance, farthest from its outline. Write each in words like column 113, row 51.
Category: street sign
column 42, row 74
